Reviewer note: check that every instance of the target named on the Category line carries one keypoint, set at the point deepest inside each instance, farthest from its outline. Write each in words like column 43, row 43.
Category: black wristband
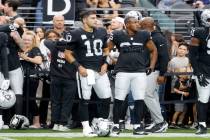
column 76, row 64
column 105, row 60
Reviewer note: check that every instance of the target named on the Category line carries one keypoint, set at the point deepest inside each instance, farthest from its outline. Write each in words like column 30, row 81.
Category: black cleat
column 201, row 130
column 115, row 131
column 139, row 131
column 158, row 128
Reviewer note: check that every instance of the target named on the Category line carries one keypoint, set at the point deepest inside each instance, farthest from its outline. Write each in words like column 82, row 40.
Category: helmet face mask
column 101, row 127
column 19, row 122
column 7, row 99
column 205, row 18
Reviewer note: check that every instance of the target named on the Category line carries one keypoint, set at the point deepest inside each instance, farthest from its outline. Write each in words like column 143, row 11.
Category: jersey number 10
column 96, row 46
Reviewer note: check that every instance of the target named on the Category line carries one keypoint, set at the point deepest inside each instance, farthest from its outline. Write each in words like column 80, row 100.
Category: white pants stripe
column 203, row 92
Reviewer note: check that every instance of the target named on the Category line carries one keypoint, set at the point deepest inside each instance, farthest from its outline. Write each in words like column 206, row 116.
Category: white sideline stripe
column 5, row 138
column 72, row 135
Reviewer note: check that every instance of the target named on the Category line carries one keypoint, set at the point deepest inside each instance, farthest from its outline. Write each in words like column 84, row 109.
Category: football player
column 15, row 80
column 157, row 77
column 199, row 56
column 131, row 69
column 89, row 59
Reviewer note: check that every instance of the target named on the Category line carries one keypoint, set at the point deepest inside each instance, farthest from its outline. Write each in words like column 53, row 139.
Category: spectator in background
column 30, row 58
column 58, row 24
column 92, row 3
column 107, row 14
column 45, row 66
column 175, row 40
column 40, row 32
column 182, row 91
column 178, row 62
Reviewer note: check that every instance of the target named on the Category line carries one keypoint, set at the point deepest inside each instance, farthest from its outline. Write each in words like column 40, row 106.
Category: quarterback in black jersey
column 131, row 69
column 199, row 57
column 88, row 45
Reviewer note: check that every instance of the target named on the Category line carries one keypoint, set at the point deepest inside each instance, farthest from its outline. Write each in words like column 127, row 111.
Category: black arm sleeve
column 7, row 28
column 50, row 44
column 60, row 45
column 4, row 53
column 193, row 56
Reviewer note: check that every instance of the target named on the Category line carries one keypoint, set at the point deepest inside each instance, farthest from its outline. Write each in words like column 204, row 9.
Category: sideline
column 3, row 136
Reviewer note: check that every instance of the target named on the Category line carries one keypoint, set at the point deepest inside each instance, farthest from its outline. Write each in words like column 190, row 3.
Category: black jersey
column 88, row 47
column 32, row 53
column 204, row 49
column 13, row 58
column 59, row 67
column 132, row 57
column 3, row 55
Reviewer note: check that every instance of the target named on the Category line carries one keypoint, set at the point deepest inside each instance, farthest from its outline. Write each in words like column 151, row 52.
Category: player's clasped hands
column 103, row 69
column 82, row 71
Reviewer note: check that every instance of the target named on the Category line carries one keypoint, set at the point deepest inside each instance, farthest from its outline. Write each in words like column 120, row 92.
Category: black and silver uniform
column 131, row 48
column 88, row 47
column 3, row 55
column 13, row 58
column 203, row 50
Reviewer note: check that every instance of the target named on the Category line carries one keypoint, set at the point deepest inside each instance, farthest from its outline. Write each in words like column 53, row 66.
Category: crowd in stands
column 37, row 56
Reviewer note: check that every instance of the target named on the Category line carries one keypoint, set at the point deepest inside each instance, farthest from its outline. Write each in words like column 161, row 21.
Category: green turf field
column 108, row 138
column 43, row 134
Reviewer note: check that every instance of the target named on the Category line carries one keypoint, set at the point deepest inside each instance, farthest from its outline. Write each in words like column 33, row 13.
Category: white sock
column 203, row 123
column 85, row 124
column 1, row 118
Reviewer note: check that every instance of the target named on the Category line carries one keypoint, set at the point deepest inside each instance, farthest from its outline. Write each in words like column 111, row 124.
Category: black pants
column 29, row 92
column 43, row 108
column 62, row 96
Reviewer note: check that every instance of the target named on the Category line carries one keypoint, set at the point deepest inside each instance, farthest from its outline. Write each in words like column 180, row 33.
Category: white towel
column 91, row 77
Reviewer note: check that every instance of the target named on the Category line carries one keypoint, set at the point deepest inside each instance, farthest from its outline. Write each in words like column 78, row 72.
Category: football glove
column 202, row 80
column 5, row 84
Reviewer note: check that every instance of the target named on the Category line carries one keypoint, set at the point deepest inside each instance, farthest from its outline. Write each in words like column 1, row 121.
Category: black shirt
column 88, row 47
column 162, row 48
column 132, row 50
column 203, row 50
column 59, row 67
column 29, row 65
column 184, row 86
